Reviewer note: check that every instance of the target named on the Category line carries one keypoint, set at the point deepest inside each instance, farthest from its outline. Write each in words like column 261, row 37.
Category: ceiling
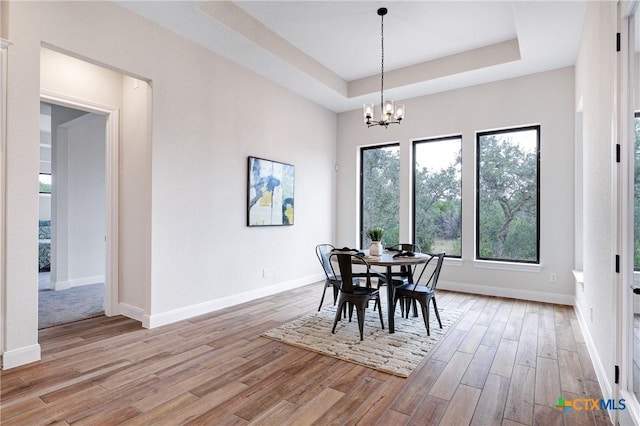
column 329, row 51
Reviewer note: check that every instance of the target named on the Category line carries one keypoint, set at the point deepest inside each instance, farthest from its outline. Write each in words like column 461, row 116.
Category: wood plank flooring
column 505, row 362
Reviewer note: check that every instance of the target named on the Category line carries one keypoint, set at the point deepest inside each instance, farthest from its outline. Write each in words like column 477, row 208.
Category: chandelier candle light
column 389, row 114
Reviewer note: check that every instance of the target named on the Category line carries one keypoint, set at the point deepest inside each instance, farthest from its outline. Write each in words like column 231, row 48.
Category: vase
column 375, row 249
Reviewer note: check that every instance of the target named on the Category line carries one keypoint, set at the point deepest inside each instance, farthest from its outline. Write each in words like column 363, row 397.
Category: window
column 437, row 195
column 508, row 195
column 636, row 196
column 45, row 183
column 380, row 192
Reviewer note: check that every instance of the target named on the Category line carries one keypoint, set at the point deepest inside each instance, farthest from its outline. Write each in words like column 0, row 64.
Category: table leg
column 390, row 310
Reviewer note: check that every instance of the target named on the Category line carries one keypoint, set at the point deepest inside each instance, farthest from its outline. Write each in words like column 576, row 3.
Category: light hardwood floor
column 504, row 362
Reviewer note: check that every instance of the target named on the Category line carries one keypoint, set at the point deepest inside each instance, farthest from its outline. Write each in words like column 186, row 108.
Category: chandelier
column 388, row 114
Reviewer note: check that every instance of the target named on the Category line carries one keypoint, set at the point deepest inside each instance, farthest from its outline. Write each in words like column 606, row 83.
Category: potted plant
column 375, row 235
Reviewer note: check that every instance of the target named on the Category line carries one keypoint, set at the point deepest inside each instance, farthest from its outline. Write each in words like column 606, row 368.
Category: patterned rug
column 398, row 353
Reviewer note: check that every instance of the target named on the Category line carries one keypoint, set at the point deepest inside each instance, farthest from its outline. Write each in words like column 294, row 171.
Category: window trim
column 636, row 116
column 537, row 128
column 361, row 231
column 414, row 143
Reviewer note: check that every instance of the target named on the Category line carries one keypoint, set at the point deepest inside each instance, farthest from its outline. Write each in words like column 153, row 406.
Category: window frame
column 46, row 174
column 413, row 185
column 537, row 128
column 636, row 117
column 361, row 231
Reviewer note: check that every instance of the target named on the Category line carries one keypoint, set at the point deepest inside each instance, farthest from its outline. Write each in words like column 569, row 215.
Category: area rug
column 398, row 353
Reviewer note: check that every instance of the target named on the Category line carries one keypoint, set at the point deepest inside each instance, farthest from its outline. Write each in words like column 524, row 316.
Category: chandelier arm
column 382, row 123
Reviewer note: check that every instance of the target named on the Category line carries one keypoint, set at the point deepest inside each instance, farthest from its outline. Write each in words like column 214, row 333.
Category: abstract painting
column 270, row 193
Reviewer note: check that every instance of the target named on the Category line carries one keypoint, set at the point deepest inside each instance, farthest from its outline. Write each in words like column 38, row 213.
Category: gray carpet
column 63, row 306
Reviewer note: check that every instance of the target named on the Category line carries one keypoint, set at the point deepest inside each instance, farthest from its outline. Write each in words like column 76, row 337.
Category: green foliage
column 438, row 205
column 508, row 200
column 381, row 193
column 45, row 183
column 447, row 246
column 375, row 233
column 426, row 241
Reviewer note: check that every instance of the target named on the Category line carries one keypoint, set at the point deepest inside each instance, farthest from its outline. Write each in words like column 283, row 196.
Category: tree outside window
column 437, row 200
column 380, row 192
column 45, row 183
column 508, row 198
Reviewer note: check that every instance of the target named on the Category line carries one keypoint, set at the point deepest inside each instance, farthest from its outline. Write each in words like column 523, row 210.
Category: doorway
column 72, row 222
column 107, row 119
column 629, row 218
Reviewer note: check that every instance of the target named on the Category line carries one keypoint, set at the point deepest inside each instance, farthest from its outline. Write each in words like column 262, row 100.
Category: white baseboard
column 131, row 311
column 61, row 285
column 77, row 282
column 605, row 386
column 21, row 356
column 536, row 296
column 164, row 318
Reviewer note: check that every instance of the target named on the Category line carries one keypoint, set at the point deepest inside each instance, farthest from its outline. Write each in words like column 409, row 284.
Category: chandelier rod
column 389, row 114
column 382, row 12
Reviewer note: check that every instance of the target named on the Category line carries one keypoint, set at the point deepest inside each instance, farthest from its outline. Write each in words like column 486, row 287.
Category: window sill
column 578, row 275
column 507, row 266
column 453, row 261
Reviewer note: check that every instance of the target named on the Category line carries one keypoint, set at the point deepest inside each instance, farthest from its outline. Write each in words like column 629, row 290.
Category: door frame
column 112, row 143
column 627, row 85
column 4, row 47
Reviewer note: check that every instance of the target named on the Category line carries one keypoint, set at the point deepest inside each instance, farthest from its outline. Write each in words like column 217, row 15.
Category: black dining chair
column 406, row 272
column 331, row 280
column 405, row 247
column 423, row 294
column 322, row 251
column 352, row 295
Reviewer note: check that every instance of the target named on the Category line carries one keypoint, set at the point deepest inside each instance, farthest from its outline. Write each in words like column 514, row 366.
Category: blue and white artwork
column 271, row 200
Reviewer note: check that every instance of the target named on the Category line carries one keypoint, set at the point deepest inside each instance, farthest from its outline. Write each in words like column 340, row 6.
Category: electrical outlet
column 266, row 273
column 553, row 278
column 591, row 314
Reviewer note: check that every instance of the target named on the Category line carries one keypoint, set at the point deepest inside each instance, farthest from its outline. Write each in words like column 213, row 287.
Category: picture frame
column 270, row 192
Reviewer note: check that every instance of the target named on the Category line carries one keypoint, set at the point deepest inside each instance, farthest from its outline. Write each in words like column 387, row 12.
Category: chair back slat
column 346, row 272
column 323, row 251
column 410, row 247
column 432, row 282
column 406, row 247
column 436, row 273
column 407, row 270
column 345, row 266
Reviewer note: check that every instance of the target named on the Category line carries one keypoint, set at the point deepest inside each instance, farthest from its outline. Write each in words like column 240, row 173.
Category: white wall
column 3, row 111
column 545, row 98
column 134, row 252
column 208, row 114
column 44, row 207
column 86, row 200
column 595, row 77
column 21, row 202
